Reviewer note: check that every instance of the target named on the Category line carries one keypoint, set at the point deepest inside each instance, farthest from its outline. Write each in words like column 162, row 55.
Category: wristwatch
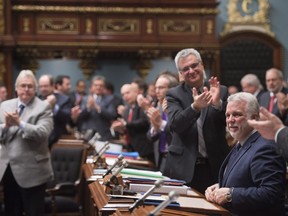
column 229, row 195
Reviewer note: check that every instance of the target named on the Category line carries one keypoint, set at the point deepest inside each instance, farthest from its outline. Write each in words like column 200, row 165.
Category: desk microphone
column 96, row 137
column 172, row 196
column 113, row 178
column 101, row 151
column 140, row 201
column 120, row 158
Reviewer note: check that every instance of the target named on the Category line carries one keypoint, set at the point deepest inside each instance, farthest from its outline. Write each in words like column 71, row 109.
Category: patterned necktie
column 21, row 109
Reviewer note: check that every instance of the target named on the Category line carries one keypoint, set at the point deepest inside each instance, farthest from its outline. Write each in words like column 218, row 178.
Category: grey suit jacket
column 282, row 142
column 26, row 150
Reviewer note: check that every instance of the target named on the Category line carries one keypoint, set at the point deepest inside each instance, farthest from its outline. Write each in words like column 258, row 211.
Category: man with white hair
column 25, row 166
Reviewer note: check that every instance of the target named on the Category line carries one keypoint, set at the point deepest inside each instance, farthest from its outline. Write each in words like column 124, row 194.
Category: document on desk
column 127, row 172
column 182, row 190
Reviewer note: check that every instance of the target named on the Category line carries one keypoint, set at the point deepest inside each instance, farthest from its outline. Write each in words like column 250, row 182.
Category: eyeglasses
column 24, row 86
column 192, row 67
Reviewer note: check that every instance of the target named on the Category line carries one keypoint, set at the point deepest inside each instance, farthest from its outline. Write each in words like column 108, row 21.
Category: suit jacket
column 100, row 122
column 26, row 150
column 61, row 117
column 258, row 178
column 137, row 130
column 155, row 139
column 265, row 100
column 183, row 150
column 282, row 142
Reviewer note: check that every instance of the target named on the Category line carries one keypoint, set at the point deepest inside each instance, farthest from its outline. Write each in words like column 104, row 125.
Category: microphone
column 172, row 196
column 101, row 151
column 113, row 178
column 140, row 201
column 120, row 158
column 96, row 137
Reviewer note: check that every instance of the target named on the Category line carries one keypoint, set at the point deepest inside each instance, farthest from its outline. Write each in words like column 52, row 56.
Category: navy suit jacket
column 183, row 150
column 258, row 178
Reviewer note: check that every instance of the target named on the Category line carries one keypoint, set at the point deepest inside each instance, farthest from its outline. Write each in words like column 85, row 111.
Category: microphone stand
column 140, row 201
column 117, row 162
column 172, row 196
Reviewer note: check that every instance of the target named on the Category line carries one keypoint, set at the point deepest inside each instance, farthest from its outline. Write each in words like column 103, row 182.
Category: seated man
column 252, row 177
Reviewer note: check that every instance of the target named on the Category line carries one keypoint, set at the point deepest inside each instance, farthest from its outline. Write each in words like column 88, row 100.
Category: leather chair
column 63, row 192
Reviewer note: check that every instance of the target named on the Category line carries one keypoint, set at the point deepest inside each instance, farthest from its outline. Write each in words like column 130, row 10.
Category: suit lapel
column 240, row 154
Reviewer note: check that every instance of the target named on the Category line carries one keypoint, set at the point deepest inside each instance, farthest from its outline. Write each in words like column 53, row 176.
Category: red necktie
column 271, row 103
column 130, row 115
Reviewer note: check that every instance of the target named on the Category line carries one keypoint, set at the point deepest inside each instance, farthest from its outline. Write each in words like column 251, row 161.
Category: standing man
column 252, row 177
column 98, row 110
column 250, row 83
column 61, row 105
column 134, row 124
column 275, row 98
column 197, row 124
column 25, row 166
column 159, row 131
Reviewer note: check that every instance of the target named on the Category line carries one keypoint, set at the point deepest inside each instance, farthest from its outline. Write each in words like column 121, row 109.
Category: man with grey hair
column 196, row 113
column 98, row 110
column 25, row 166
column 275, row 99
column 250, row 83
column 252, row 177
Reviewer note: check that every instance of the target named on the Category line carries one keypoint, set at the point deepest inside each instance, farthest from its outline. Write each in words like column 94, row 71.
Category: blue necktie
column 21, row 109
column 233, row 157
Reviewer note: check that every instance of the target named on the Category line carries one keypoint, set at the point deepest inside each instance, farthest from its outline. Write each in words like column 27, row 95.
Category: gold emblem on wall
column 248, row 15
column 118, row 26
column 179, row 27
column 59, row 25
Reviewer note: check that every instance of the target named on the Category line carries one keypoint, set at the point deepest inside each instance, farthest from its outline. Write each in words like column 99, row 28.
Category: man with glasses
column 25, row 166
column 196, row 113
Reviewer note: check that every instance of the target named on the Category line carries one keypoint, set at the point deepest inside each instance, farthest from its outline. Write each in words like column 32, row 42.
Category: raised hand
column 215, row 91
column 201, row 100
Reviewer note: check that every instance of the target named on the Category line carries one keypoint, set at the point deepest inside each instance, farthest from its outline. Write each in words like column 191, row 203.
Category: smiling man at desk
column 252, row 177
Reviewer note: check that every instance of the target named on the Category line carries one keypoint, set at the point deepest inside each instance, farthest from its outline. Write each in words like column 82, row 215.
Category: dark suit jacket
column 61, row 117
column 264, row 101
column 99, row 122
column 183, row 150
column 137, row 130
column 282, row 142
column 154, row 138
column 258, row 178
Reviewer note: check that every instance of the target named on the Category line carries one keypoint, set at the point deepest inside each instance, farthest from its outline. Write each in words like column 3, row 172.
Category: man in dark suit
column 250, row 83
column 252, row 177
column 134, row 123
column 197, row 124
column 25, row 166
column 159, row 132
column 79, row 93
column 60, row 102
column 273, row 99
column 98, row 110
column 272, row 128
